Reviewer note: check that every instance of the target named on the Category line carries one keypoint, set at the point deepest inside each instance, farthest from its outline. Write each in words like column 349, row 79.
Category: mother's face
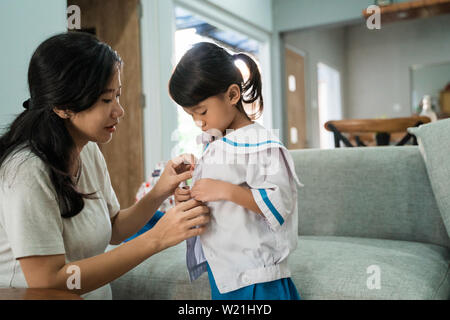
column 98, row 123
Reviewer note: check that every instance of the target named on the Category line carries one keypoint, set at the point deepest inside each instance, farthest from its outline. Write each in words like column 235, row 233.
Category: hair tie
column 27, row 104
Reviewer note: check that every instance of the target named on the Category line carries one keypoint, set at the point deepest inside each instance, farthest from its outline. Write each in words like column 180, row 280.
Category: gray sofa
column 369, row 228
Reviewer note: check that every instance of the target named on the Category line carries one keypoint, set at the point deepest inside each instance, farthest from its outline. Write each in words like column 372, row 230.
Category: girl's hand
column 179, row 223
column 210, row 190
column 182, row 194
column 176, row 171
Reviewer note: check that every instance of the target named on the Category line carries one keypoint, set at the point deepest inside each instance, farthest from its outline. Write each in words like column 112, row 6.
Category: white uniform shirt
column 241, row 246
column 31, row 223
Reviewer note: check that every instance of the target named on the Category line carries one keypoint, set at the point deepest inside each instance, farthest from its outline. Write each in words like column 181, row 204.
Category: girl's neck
column 239, row 121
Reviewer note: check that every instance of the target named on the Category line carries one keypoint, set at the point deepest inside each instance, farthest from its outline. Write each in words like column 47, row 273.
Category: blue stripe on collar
column 270, row 206
column 236, row 144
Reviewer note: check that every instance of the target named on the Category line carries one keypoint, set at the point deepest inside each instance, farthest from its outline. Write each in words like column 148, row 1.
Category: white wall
column 257, row 12
column 292, row 15
column 379, row 61
column 24, row 24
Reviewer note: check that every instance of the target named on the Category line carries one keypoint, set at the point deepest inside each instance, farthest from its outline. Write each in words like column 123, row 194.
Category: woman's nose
column 118, row 111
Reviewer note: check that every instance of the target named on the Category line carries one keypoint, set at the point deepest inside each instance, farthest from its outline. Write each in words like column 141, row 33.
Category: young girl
column 245, row 175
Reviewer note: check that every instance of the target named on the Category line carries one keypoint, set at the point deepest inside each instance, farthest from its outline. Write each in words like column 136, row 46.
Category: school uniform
column 245, row 253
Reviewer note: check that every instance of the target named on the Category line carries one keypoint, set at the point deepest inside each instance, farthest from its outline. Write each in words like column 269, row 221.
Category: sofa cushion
column 322, row 268
column 341, row 267
column 434, row 143
column 163, row 276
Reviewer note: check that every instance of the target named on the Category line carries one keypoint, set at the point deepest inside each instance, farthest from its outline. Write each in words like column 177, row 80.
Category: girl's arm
column 53, row 272
column 214, row 190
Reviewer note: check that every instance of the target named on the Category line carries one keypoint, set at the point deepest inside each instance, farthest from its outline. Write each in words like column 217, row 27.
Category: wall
column 257, row 12
column 319, row 45
column 292, row 15
column 379, row 61
column 24, row 25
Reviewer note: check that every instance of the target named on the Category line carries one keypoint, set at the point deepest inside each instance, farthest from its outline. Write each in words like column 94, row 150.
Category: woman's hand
column 180, row 223
column 210, row 190
column 182, row 194
column 176, row 171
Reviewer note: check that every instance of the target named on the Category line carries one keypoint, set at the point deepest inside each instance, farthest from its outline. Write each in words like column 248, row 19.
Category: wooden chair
column 378, row 130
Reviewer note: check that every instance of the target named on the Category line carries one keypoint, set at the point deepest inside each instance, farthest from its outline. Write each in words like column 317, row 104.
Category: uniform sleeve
column 108, row 190
column 31, row 215
column 272, row 185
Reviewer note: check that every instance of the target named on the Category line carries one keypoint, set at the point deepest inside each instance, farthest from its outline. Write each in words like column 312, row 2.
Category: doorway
column 192, row 29
column 116, row 22
column 295, row 98
column 330, row 105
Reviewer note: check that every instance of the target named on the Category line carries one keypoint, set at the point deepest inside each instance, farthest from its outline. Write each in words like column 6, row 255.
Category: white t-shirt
column 30, row 219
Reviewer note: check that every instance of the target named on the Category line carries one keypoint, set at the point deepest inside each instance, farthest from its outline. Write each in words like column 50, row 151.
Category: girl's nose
column 199, row 123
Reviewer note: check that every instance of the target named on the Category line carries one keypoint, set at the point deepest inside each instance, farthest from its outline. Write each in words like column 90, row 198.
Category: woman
column 58, row 211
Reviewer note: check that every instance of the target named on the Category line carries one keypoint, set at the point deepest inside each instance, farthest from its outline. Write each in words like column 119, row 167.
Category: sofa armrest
column 371, row 192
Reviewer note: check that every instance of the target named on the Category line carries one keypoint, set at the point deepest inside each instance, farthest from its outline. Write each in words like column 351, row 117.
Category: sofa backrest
column 370, row 192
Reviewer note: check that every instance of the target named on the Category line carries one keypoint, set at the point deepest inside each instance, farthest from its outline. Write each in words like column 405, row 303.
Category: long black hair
column 68, row 71
column 207, row 70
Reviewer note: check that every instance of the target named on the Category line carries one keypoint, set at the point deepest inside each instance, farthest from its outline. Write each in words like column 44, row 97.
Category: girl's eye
column 203, row 113
column 106, row 100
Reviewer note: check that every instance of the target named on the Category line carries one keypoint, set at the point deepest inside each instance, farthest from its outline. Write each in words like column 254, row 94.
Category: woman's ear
column 63, row 114
column 233, row 94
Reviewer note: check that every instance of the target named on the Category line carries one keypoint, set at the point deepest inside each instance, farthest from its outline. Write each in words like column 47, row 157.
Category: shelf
column 412, row 10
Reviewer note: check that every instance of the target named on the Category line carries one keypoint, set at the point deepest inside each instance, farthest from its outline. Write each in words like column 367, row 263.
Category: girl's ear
column 233, row 94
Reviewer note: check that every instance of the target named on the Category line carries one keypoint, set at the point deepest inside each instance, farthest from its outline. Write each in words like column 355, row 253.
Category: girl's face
column 98, row 123
column 216, row 112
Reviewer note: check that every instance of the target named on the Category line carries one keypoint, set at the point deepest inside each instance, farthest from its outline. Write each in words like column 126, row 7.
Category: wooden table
column 36, row 294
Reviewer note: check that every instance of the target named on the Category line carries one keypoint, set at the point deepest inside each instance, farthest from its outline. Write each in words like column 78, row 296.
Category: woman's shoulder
column 23, row 165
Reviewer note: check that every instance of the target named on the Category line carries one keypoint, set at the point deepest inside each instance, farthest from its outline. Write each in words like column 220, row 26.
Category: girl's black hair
column 68, row 71
column 207, row 70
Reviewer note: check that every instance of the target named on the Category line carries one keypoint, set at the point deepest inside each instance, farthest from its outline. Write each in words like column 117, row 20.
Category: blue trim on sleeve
column 236, row 144
column 270, row 206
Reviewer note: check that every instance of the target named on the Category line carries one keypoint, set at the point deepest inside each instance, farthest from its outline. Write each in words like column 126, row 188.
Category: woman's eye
column 203, row 113
column 106, row 100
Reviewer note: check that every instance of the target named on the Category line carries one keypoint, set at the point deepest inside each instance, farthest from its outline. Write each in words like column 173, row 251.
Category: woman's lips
column 111, row 129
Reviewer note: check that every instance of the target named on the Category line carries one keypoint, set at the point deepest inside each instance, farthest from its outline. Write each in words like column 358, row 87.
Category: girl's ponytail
column 252, row 88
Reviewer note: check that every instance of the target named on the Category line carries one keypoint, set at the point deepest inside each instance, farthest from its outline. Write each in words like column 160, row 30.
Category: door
column 295, row 98
column 116, row 22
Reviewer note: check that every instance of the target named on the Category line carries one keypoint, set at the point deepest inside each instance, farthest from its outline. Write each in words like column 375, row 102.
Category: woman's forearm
column 92, row 273
column 131, row 220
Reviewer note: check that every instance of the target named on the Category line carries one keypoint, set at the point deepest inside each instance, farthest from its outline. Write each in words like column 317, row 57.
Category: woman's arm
column 175, row 226
column 214, row 190
column 129, row 221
